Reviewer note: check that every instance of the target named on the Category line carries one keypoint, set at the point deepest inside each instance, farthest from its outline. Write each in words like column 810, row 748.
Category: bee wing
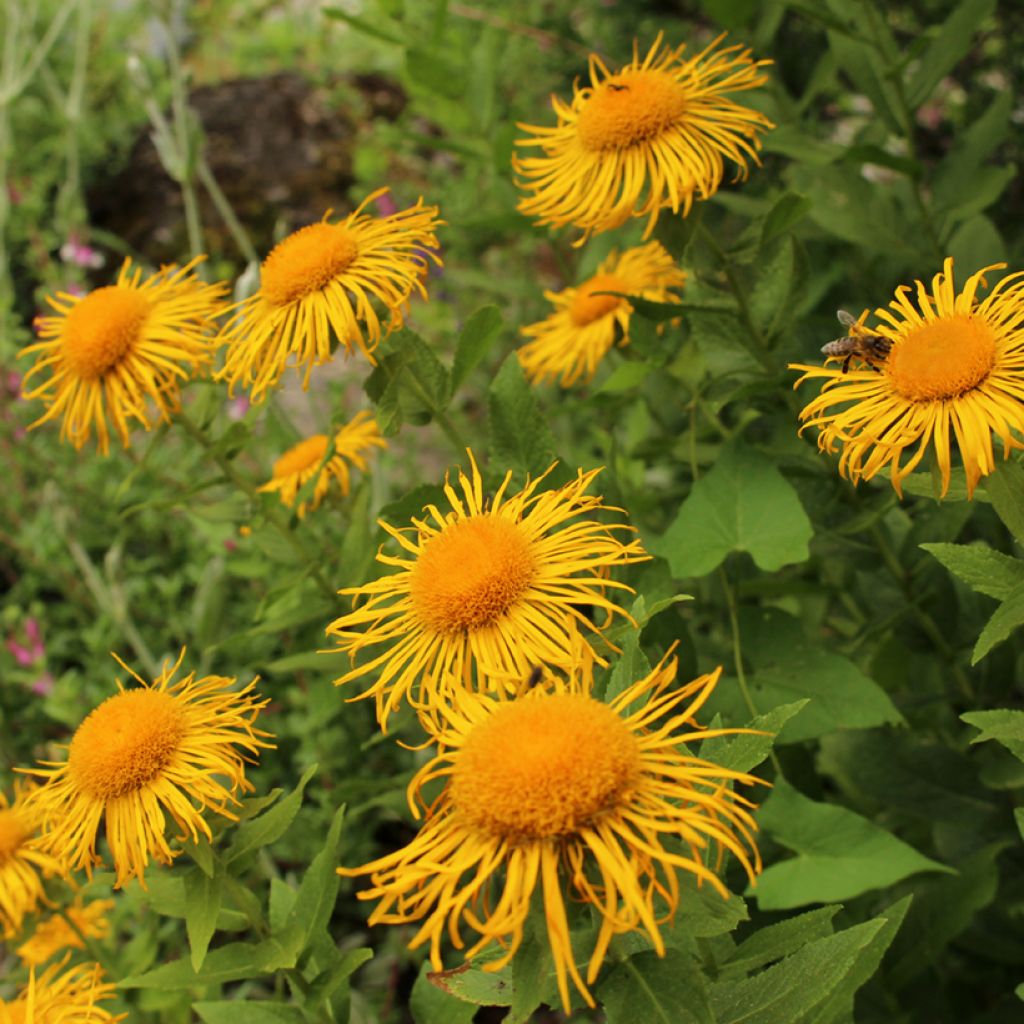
column 846, row 319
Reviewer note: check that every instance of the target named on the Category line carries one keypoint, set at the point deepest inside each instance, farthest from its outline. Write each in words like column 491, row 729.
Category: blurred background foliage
column 898, row 143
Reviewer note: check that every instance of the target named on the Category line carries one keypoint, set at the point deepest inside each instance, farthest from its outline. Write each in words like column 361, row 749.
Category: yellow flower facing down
column 54, row 933
column 119, row 348
column 653, row 135
column 301, row 462
column 161, row 749
column 22, row 864
column 59, row 996
column 574, row 339
column 955, row 366
column 491, row 589
column 322, row 285
column 559, row 792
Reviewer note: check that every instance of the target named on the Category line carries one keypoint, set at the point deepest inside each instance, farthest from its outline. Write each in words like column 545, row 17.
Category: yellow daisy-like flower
column 653, row 135
column 22, row 864
column 574, row 339
column 317, row 289
column 954, row 365
column 62, row 998
column 159, row 749
column 55, row 933
column 559, row 791
column 305, row 460
column 493, row 589
column 107, row 353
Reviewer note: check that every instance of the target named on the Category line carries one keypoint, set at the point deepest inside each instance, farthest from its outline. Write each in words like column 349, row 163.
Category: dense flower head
column 23, row 866
column 308, row 459
column 62, row 995
column 556, row 791
column 490, row 589
column 653, row 135
column 322, row 286
column 112, row 352
column 66, row 930
column 954, row 365
column 163, row 748
column 572, row 341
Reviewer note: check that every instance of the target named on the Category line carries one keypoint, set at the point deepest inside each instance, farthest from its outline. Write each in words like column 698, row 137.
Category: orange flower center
column 471, row 574
column 630, row 108
column 586, row 307
column 306, row 261
column 942, row 359
column 102, row 329
column 544, row 767
column 12, row 833
column 305, row 455
column 125, row 743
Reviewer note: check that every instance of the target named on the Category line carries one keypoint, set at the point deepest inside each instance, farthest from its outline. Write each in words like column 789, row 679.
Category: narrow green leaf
column 368, row 26
column 631, row 666
column 982, row 569
column 789, row 210
column 520, row 436
column 475, row 340
column 328, row 982
column 1005, row 486
column 656, row 990
column 233, row 962
column 202, row 905
column 271, row 825
column 1004, row 725
column 229, row 1011
column 703, row 913
column 839, row 854
column 776, row 941
column 431, row 1004
column 746, row 751
column 1005, row 619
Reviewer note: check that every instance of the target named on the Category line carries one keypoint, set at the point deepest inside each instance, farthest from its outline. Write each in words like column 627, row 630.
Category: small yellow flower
column 492, row 589
column 54, row 933
column 317, row 290
column 22, row 864
column 955, row 366
column 107, row 353
column 653, row 135
column 62, row 998
column 159, row 749
column 574, row 339
column 557, row 792
column 300, row 463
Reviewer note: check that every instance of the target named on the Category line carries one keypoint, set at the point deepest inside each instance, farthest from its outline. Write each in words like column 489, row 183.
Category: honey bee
column 859, row 342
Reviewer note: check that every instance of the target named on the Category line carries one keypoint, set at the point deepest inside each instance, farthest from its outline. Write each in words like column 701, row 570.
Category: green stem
column 94, row 950
column 439, row 415
column 226, row 211
column 248, row 488
column 70, row 208
column 755, row 345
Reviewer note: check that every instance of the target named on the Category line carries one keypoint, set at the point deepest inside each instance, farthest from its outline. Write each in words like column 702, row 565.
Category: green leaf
column 775, row 275
column 839, row 854
column 233, row 962
column 472, row 984
column 202, row 905
column 1003, row 725
column 703, row 913
column 743, row 752
column 230, row 1010
column 631, row 666
column 435, row 72
column 475, row 339
column 954, row 41
column 409, row 382
column 368, row 26
column 776, row 941
column 1005, row 486
column 656, row 990
column 790, row 209
column 1005, row 619
column 976, row 243
column 520, row 436
column 743, row 504
column 431, row 1004
column 982, row 569
column 970, row 148
column 806, row 985
column 271, row 825
column 327, row 983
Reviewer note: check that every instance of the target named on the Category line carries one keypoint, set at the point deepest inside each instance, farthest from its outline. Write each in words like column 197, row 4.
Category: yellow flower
column 955, row 365
column 653, row 135
column 21, row 862
column 160, row 748
column 56, row 998
column 493, row 589
column 572, row 796
column 575, row 338
column 55, row 933
column 316, row 292
column 305, row 460
column 108, row 352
